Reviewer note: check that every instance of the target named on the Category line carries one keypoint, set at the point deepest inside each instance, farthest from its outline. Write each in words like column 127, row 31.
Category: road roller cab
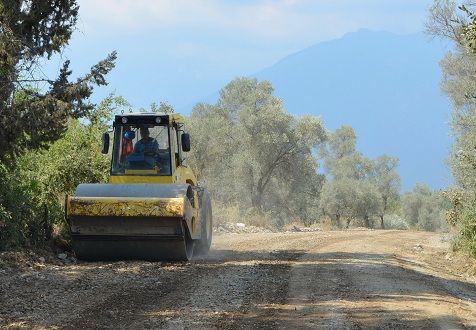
column 152, row 208
column 149, row 148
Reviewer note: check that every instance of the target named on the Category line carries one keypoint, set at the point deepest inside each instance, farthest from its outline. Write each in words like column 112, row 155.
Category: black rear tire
column 202, row 246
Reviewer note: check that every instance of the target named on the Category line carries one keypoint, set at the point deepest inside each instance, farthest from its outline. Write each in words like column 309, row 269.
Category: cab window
column 141, row 150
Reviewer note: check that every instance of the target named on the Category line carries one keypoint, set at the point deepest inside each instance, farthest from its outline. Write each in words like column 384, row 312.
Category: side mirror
column 186, row 142
column 105, row 143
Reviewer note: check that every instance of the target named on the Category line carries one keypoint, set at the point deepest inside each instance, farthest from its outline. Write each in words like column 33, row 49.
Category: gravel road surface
column 327, row 279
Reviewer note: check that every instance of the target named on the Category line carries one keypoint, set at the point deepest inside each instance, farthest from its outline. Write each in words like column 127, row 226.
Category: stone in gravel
column 62, row 256
column 295, row 228
column 240, row 225
column 41, row 260
column 418, row 247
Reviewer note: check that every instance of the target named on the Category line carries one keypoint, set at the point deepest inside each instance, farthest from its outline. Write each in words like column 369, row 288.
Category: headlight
column 158, row 120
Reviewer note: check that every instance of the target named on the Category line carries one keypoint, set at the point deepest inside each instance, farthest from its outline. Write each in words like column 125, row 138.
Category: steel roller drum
column 130, row 221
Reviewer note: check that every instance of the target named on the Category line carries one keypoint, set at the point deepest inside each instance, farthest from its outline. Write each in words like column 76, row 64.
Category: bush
column 466, row 225
column 31, row 199
column 394, row 221
column 223, row 214
column 424, row 209
column 22, row 215
column 257, row 218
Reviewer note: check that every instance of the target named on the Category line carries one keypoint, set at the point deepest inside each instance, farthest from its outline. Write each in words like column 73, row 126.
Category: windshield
column 141, row 150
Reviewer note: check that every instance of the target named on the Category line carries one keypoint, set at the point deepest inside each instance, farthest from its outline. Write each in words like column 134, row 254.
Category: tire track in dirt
column 335, row 286
column 121, row 306
column 221, row 291
column 344, row 280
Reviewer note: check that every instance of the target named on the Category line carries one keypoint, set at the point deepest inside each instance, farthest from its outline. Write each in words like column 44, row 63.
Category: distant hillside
column 384, row 85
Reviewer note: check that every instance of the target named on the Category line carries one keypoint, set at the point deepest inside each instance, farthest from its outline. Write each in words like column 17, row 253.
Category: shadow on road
column 353, row 290
column 275, row 289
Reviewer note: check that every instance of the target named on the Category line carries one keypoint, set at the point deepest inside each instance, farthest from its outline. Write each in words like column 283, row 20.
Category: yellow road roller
column 152, row 208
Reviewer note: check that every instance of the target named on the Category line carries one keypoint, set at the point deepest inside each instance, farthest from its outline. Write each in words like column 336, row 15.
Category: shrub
column 22, row 216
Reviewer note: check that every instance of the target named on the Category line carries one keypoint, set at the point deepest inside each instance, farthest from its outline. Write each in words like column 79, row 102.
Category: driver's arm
column 153, row 148
column 139, row 147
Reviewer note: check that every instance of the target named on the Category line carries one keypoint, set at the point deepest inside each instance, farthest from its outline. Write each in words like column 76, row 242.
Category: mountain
column 385, row 86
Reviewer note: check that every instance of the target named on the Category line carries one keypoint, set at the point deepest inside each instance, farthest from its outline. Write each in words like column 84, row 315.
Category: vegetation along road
column 347, row 279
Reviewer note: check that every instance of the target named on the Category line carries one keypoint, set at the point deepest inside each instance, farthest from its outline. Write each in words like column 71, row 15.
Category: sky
column 182, row 51
column 185, row 51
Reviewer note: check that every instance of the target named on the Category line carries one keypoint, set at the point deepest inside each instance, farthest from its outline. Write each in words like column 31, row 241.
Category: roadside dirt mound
column 298, row 227
column 22, row 260
column 27, row 260
column 241, row 228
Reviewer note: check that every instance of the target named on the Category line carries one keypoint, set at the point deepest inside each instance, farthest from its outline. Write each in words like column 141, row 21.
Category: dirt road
column 353, row 279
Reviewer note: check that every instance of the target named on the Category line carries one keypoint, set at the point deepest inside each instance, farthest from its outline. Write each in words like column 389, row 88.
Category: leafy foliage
column 250, row 152
column 31, row 200
column 35, row 109
column 456, row 21
column 386, row 181
column 22, row 218
column 359, row 187
column 36, row 112
column 468, row 228
column 424, row 209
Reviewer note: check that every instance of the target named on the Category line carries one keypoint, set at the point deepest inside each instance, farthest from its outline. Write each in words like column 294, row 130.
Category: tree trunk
column 257, row 199
column 385, row 203
column 48, row 229
column 349, row 220
column 338, row 221
column 367, row 221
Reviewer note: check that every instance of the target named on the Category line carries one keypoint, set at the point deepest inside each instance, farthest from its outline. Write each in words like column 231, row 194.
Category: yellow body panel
column 183, row 174
column 141, row 172
column 140, row 179
column 175, row 117
column 125, row 207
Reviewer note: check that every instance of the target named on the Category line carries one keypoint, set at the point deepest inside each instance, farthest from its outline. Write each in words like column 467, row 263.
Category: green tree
column 22, row 220
column 165, row 107
column 272, row 141
column 368, row 202
column 76, row 157
column 32, row 193
column 446, row 21
column 338, row 200
column 386, row 180
column 350, row 199
column 454, row 20
column 358, row 188
column 34, row 109
column 214, row 145
column 341, row 159
column 424, row 209
column 250, row 151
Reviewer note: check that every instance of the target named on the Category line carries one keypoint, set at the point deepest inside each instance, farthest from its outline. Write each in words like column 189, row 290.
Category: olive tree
column 249, row 150
column 358, row 188
column 338, row 199
column 424, row 209
column 455, row 21
column 386, row 181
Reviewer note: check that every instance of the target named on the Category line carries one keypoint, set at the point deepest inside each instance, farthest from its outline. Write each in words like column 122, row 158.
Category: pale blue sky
column 181, row 51
column 184, row 52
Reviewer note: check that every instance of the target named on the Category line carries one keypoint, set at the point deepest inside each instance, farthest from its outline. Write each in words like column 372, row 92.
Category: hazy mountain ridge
column 385, row 86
